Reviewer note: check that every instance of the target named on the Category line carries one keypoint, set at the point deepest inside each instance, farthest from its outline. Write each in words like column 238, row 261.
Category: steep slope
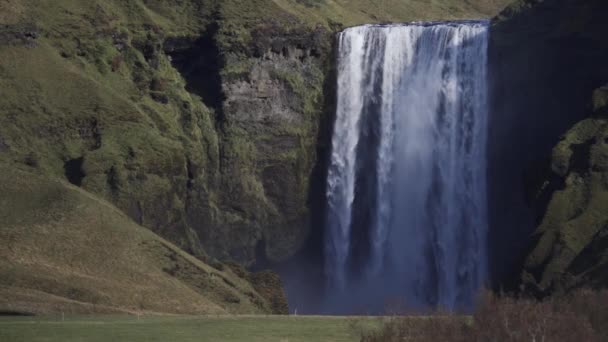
column 570, row 247
column 65, row 250
column 87, row 97
column 546, row 59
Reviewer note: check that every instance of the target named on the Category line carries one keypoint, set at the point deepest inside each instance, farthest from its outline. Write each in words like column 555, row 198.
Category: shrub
column 434, row 328
column 580, row 316
column 518, row 319
column 592, row 305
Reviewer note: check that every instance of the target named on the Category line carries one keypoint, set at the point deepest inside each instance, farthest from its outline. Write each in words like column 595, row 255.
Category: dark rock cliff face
column 546, row 58
column 570, row 247
column 269, row 126
column 203, row 128
column 245, row 197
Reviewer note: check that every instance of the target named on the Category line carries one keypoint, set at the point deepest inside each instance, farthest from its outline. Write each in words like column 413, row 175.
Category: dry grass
column 65, row 250
column 10, row 11
column 581, row 316
column 355, row 12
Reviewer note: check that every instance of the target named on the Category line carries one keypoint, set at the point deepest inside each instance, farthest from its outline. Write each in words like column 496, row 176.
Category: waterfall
column 406, row 185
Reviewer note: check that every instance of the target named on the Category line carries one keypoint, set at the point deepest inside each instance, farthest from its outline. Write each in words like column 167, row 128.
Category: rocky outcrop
column 546, row 58
column 270, row 120
column 206, row 135
column 571, row 244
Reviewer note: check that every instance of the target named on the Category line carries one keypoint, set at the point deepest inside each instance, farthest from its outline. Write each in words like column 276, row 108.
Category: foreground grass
column 182, row 328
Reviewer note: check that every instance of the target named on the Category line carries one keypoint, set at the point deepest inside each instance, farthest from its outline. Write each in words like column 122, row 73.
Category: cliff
column 207, row 122
column 547, row 57
column 570, row 248
column 202, row 120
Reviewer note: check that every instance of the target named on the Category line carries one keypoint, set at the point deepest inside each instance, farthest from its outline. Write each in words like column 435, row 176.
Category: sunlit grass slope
column 342, row 13
column 64, row 250
column 354, row 12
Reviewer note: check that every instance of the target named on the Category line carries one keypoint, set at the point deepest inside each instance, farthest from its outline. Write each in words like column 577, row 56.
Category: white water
column 407, row 179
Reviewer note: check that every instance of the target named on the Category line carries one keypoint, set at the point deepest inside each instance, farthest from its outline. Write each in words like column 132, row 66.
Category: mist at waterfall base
column 406, row 217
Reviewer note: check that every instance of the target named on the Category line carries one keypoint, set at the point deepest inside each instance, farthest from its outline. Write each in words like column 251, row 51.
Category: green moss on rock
column 575, row 219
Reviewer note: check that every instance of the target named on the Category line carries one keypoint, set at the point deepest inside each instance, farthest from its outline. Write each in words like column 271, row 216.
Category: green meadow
column 184, row 328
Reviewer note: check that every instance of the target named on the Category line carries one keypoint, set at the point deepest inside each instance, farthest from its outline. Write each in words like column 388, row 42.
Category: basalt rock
column 570, row 246
column 205, row 135
column 271, row 115
column 546, row 58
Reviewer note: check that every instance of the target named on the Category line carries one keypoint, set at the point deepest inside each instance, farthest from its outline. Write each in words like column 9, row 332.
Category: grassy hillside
column 66, row 250
column 355, row 12
column 239, row 15
column 87, row 96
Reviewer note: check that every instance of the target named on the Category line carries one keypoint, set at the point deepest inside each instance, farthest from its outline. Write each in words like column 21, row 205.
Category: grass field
column 183, row 328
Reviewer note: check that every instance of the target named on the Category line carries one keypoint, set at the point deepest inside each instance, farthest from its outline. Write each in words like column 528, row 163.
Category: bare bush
column 420, row 329
column 592, row 305
column 581, row 316
column 512, row 320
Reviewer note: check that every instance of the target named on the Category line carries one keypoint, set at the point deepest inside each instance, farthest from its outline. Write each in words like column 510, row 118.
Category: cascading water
column 406, row 185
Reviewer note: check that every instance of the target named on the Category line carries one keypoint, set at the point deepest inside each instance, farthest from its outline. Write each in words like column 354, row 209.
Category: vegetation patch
column 581, row 316
column 66, row 250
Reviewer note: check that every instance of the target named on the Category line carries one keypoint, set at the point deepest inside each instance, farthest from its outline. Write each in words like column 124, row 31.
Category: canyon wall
column 546, row 58
column 203, row 120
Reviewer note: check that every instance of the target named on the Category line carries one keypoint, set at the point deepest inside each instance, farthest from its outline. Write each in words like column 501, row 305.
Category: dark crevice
column 92, row 132
column 3, row 145
column 591, row 253
column 113, row 180
column 5, row 313
column 580, row 160
column 303, row 274
column 200, row 63
column 261, row 259
column 539, row 183
column 73, row 171
column 190, row 171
